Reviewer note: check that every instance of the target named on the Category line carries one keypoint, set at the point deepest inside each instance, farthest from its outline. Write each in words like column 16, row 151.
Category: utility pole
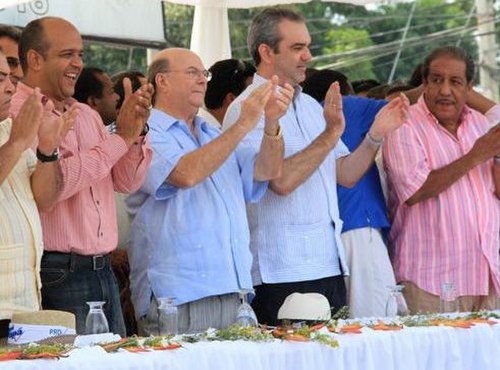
column 489, row 72
column 401, row 44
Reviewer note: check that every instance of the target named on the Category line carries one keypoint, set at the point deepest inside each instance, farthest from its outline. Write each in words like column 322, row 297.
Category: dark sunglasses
column 13, row 62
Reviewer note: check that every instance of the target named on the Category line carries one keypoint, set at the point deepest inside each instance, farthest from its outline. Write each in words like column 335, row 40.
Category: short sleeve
column 405, row 162
column 167, row 152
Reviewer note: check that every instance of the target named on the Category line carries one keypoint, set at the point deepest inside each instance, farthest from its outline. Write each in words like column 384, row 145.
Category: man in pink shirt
column 81, row 229
column 443, row 170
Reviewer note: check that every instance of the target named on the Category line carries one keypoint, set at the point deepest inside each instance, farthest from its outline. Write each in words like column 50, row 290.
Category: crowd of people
column 268, row 176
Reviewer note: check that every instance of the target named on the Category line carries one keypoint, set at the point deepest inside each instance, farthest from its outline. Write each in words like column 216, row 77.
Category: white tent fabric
column 140, row 20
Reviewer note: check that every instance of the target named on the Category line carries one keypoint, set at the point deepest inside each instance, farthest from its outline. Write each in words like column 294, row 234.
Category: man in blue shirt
column 295, row 229
column 189, row 238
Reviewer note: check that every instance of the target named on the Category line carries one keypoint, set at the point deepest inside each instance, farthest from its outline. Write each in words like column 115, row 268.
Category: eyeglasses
column 193, row 73
column 13, row 62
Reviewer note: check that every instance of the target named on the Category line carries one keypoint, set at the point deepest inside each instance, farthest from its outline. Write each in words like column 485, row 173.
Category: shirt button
column 97, row 202
column 102, row 233
column 198, row 246
column 203, row 275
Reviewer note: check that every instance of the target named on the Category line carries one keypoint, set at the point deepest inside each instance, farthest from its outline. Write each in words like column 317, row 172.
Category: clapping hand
column 25, row 125
column 52, row 129
column 253, row 106
column 332, row 111
column 134, row 112
column 279, row 101
column 390, row 117
column 487, row 145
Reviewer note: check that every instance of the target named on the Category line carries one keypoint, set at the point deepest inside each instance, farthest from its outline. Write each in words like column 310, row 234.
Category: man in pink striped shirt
column 443, row 172
column 81, row 229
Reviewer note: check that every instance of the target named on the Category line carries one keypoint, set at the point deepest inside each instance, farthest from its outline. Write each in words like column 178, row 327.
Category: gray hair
column 158, row 66
column 264, row 29
column 454, row 52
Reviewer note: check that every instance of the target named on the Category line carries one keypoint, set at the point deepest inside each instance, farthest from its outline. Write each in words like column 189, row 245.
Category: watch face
column 145, row 129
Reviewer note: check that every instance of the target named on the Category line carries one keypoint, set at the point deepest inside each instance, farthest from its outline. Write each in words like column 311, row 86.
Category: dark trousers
column 71, row 280
column 269, row 297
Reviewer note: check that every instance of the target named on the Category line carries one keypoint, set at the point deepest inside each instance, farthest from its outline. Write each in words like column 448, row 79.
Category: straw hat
column 28, row 327
column 305, row 306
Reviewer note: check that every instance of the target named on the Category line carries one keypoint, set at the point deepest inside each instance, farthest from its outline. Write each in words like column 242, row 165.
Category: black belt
column 97, row 262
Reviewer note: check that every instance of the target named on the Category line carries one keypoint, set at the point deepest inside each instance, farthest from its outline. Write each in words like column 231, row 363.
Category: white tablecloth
column 410, row 349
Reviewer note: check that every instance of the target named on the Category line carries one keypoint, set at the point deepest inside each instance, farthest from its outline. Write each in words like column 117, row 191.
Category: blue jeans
column 69, row 281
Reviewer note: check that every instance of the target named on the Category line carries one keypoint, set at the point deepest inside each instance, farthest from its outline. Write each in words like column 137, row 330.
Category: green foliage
column 345, row 39
column 178, row 24
column 114, row 59
column 360, row 42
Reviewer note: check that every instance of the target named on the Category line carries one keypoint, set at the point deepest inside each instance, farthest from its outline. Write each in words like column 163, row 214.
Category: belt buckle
column 95, row 263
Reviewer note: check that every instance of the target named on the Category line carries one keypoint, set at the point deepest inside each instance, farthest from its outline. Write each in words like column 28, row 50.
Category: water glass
column 96, row 322
column 396, row 304
column 245, row 316
column 448, row 298
column 167, row 316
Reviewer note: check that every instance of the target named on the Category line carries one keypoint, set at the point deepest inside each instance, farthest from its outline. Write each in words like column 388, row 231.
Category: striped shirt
column 453, row 237
column 94, row 164
column 20, row 236
column 295, row 237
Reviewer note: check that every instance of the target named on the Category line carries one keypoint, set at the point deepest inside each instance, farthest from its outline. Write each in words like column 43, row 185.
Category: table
column 414, row 348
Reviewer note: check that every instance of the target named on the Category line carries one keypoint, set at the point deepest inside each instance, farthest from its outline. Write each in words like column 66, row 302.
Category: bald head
column 37, row 36
column 179, row 79
column 51, row 53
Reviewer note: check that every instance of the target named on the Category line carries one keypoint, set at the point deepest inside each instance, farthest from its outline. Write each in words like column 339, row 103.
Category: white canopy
column 135, row 20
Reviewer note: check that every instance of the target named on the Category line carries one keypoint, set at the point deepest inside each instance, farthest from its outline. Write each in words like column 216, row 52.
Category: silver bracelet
column 372, row 141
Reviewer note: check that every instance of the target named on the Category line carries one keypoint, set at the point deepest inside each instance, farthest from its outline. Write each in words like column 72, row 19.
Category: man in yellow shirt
column 26, row 186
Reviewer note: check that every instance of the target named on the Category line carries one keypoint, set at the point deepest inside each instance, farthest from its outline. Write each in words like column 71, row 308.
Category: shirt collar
column 159, row 118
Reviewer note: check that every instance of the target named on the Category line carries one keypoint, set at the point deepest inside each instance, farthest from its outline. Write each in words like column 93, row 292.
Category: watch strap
column 47, row 158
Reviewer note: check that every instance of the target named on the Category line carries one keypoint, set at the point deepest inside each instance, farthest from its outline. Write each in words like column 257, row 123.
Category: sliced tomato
column 136, row 349
column 296, row 337
column 170, row 346
column 385, row 327
column 351, row 329
column 7, row 356
column 317, row 327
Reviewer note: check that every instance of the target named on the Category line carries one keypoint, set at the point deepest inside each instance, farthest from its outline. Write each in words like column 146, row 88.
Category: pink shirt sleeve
column 405, row 162
column 130, row 171
column 85, row 162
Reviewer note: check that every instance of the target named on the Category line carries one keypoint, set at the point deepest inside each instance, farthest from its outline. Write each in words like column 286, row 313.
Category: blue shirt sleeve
column 253, row 190
column 167, row 151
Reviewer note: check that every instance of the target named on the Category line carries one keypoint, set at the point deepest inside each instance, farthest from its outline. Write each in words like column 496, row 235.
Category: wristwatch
column 275, row 137
column 47, row 158
column 145, row 129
